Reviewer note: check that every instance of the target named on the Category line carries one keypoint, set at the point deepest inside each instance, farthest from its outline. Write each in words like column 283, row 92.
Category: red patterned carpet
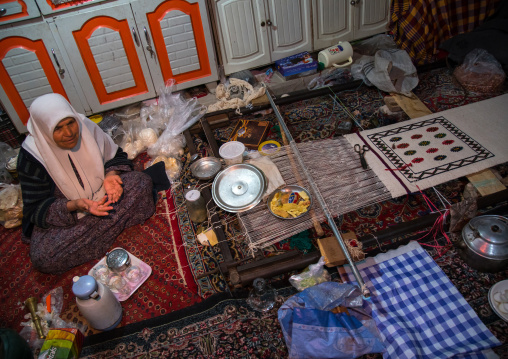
column 170, row 287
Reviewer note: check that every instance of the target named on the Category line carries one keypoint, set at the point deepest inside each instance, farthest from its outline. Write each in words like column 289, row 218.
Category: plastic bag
column 172, row 166
column 328, row 321
column 11, row 205
column 179, row 114
column 371, row 45
column 391, row 71
column 6, row 154
column 480, row 72
column 48, row 320
column 314, row 274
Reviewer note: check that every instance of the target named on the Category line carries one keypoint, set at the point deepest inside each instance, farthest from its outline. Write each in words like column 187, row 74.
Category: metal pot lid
column 487, row 236
column 118, row 259
column 239, row 187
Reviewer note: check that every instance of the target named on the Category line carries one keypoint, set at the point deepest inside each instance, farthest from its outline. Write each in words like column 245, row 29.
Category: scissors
column 361, row 151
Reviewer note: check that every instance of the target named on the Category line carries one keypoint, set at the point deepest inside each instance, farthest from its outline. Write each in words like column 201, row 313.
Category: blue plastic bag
column 312, row 327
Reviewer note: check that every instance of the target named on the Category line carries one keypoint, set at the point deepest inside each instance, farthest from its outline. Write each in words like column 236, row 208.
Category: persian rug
column 157, row 242
column 226, row 327
column 433, row 149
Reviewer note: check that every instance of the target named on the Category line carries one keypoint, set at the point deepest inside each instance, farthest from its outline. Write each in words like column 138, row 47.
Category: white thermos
column 340, row 55
column 97, row 303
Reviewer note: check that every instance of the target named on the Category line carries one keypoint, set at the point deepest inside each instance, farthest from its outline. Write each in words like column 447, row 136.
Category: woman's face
column 66, row 133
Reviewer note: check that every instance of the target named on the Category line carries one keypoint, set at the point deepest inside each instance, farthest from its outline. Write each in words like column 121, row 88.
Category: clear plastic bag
column 48, row 320
column 11, row 205
column 314, row 274
column 179, row 114
column 480, row 72
column 172, row 166
column 6, row 153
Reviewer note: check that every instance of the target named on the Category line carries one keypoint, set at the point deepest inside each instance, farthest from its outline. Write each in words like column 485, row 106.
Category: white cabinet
column 346, row 20
column 253, row 33
column 123, row 54
column 31, row 65
column 17, row 10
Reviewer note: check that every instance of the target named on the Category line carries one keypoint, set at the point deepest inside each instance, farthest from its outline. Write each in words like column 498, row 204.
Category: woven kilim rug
column 424, row 152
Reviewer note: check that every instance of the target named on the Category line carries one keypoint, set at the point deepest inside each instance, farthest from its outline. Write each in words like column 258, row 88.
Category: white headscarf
column 94, row 148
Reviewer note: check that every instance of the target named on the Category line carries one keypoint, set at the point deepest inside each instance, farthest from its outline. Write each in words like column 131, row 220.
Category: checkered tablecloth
column 418, row 311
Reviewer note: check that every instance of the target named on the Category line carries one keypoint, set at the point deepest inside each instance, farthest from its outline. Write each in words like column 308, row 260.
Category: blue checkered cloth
column 419, row 312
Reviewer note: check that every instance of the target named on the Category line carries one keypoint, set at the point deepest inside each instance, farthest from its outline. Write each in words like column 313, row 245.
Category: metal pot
column 484, row 243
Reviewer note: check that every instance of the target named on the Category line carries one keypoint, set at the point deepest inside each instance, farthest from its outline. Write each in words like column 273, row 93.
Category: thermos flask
column 97, row 303
column 340, row 55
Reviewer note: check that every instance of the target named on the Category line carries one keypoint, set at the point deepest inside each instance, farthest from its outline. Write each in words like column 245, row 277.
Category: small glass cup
column 101, row 273
column 117, row 284
column 133, row 274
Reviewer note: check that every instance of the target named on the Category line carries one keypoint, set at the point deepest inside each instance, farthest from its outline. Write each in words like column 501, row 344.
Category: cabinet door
column 371, row 17
column 290, row 30
column 179, row 34
column 28, row 70
column 243, row 34
column 332, row 22
column 16, row 10
column 107, row 55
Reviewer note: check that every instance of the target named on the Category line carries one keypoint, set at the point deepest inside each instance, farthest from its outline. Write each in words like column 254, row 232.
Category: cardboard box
column 64, row 343
column 250, row 133
column 296, row 64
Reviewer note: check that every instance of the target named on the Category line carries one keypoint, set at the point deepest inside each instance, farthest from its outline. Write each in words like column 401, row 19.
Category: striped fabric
column 420, row 26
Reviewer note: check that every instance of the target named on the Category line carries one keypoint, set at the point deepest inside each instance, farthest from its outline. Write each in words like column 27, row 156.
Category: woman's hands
column 97, row 208
column 113, row 186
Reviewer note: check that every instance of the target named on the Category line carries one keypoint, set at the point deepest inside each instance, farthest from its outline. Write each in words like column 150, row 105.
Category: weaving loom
column 338, row 175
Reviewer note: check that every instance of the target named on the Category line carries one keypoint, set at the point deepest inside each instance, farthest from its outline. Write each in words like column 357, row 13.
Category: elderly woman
column 79, row 190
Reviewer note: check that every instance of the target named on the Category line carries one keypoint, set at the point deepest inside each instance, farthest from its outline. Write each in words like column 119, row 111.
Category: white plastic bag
column 389, row 70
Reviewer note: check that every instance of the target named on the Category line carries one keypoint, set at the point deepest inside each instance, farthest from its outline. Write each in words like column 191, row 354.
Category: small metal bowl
column 289, row 188
column 118, row 260
column 206, row 168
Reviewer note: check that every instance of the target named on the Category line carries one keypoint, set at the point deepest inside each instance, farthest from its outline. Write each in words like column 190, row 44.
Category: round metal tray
column 289, row 188
column 206, row 168
column 239, row 187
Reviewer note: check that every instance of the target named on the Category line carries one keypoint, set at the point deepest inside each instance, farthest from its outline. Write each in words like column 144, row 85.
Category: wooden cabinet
column 31, row 65
column 253, row 33
column 17, row 10
column 122, row 55
column 346, row 20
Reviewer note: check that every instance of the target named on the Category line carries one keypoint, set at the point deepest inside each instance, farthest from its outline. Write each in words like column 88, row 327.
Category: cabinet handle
column 2, row 11
column 353, row 2
column 60, row 70
column 148, row 44
column 269, row 22
column 135, row 35
column 262, row 24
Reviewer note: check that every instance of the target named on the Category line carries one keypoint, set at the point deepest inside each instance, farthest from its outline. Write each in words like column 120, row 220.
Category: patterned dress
column 60, row 241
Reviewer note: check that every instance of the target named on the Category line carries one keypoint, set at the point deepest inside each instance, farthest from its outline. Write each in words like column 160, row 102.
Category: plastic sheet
column 6, row 153
column 327, row 321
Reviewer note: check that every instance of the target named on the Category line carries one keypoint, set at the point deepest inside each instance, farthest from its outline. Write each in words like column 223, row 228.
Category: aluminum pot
column 484, row 245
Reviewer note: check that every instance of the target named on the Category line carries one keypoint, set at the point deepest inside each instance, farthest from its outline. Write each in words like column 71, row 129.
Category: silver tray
column 289, row 188
column 206, row 168
column 239, row 187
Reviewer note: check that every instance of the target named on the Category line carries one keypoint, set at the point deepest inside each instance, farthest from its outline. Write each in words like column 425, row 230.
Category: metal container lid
column 487, row 236
column 239, row 187
column 118, row 259
column 206, row 168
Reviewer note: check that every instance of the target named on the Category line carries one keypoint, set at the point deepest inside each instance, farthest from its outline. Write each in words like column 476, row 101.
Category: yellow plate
column 96, row 118
column 269, row 147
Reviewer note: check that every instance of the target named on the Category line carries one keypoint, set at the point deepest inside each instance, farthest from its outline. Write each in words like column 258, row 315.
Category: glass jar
column 196, row 206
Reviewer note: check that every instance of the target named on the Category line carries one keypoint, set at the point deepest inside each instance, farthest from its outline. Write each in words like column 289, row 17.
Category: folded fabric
column 272, row 174
column 417, row 309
